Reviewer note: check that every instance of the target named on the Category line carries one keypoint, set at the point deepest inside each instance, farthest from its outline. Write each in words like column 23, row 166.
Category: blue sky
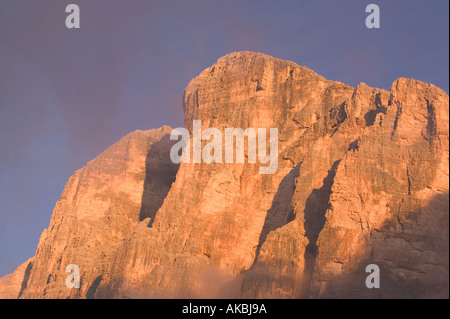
column 66, row 95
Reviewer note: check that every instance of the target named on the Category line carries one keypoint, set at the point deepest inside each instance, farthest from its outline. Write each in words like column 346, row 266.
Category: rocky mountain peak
column 362, row 179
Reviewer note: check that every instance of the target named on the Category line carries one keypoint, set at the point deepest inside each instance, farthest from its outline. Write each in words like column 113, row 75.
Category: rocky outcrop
column 11, row 285
column 362, row 179
column 100, row 205
column 389, row 203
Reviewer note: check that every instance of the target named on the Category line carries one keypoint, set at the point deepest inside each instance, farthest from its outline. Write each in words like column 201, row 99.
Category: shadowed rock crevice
column 93, row 288
column 316, row 206
column 397, row 118
column 371, row 116
column 160, row 173
column 354, row 146
column 431, row 121
column 281, row 212
column 337, row 116
column 25, row 279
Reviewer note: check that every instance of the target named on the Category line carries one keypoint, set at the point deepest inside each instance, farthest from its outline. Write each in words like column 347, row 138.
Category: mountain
column 362, row 179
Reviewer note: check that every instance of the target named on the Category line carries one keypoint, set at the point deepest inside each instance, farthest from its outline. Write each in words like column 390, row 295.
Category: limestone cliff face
column 99, row 206
column 11, row 285
column 362, row 179
column 389, row 202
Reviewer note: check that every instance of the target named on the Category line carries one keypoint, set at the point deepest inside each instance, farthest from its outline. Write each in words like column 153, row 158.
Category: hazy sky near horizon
column 66, row 95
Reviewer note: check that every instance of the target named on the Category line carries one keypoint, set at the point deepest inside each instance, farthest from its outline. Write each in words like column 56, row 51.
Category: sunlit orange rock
column 362, row 179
